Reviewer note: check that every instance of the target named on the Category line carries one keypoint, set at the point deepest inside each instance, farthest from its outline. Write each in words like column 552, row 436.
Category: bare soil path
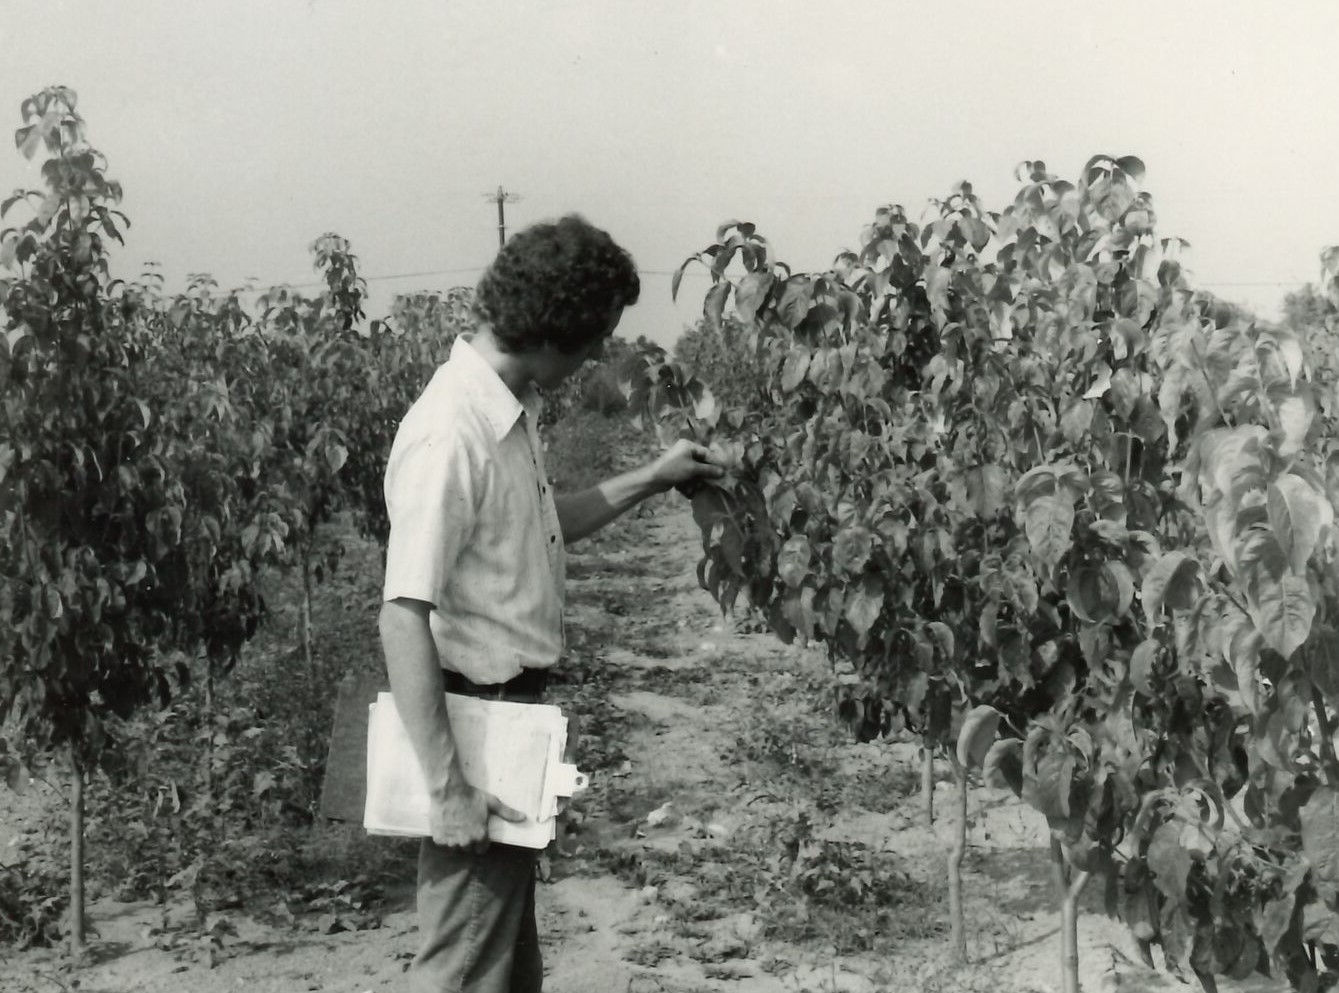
column 715, row 851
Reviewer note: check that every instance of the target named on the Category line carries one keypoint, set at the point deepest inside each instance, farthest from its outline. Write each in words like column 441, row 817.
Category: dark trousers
column 477, row 921
column 476, row 913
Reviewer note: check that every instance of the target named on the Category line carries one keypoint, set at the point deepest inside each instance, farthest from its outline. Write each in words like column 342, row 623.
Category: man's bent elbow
column 399, row 616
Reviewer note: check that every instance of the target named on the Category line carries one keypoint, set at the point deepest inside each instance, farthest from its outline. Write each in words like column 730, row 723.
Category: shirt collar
column 500, row 406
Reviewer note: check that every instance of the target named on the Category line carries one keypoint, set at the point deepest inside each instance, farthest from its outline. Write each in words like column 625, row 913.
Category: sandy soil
column 684, row 686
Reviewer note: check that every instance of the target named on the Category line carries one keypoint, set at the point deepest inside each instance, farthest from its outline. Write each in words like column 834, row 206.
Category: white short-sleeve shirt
column 474, row 530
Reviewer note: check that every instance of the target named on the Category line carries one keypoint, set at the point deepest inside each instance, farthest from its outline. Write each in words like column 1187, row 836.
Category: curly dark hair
column 555, row 283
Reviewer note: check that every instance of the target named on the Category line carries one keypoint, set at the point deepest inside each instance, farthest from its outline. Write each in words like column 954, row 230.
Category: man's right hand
column 460, row 818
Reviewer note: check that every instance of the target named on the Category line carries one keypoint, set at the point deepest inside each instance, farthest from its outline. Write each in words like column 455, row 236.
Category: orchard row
column 160, row 453
column 1023, row 480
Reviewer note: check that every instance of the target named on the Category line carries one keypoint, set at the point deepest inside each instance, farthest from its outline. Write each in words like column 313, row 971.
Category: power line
column 696, row 273
column 501, row 197
column 691, row 273
column 1293, row 282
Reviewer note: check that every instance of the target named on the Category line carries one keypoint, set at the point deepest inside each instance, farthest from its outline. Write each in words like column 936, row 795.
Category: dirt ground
column 697, row 733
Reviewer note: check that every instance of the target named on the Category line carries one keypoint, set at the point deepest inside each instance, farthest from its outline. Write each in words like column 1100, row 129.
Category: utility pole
column 501, row 197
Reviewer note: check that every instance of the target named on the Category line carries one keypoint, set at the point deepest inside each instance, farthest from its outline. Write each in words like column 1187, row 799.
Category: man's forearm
column 419, row 692
column 588, row 510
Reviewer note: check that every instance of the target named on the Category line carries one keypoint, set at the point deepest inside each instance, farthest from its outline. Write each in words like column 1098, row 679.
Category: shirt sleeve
column 431, row 499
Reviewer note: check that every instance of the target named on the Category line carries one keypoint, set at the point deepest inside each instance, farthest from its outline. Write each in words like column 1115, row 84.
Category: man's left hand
column 684, row 465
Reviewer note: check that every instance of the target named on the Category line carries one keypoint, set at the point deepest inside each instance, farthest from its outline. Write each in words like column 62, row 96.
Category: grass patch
column 581, row 687
column 585, row 447
column 600, row 567
column 802, row 889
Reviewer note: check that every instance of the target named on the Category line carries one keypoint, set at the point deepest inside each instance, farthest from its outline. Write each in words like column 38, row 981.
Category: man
column 474, row 573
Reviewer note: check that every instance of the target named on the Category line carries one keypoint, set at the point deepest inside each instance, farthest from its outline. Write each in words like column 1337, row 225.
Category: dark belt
column 528, row 687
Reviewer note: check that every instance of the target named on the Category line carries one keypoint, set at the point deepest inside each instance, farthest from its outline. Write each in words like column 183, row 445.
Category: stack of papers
column 512, row 750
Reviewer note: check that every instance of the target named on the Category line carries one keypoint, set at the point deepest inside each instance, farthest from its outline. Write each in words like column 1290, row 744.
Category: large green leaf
column 1242, row 652
column 1093, row 593
column 798, row 610
column 1229, row 462
column 977, row 735
column 864, row 603
column 1276, row 920
column 937, row 287
column 795, row 367
column 792, row 562
column 1048, row 774
column 1124, row 580
column 1002, row 768
column 851, row 549
column 1172, row 581
column 797, row 296
column 1169, row 861
column 713, row 304
column 1141, row 665
column 1126, row 389
column 943, row 639
column 986, row 486
column 1283, row 608
column 1320, row 835
column 1295, row 415
column 710, row 505
column 751, row 293
column 1323, row 660
column 1076, row 420
column 1049, row 521
column 1132, row 166
column 1298, row 514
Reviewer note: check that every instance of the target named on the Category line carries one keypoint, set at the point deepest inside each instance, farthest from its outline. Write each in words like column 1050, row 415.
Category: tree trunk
column 77, row 943
column 211, row 804
column 957, row 853
column 308, row 653
column 928, row 780
column 209, row 739
column 1068, row 887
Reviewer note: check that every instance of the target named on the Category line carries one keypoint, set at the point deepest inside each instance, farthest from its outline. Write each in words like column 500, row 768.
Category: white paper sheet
column 512, row 750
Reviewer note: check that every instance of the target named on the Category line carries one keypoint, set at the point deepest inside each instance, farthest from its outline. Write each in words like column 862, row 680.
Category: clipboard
column 516, row 751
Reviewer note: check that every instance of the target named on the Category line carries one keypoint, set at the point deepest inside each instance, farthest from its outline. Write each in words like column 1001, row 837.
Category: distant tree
column 725, row 356
column 430, row 315
column 1306, row 309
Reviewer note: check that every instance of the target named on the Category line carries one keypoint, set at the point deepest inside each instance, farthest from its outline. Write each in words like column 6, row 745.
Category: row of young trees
column 1019, row 475
column 159, row 453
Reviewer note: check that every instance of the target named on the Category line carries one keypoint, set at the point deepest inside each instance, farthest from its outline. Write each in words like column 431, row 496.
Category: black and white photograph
column 699, row 497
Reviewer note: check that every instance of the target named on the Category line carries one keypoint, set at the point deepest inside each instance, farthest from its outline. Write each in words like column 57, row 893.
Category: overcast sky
column 243, row 129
